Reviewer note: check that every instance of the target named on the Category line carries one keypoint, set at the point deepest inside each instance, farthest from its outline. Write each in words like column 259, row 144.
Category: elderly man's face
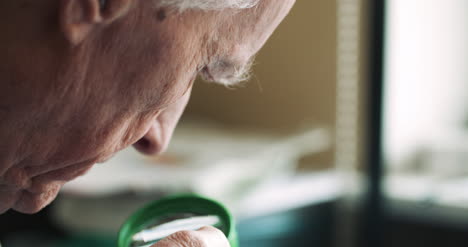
column 80, row 81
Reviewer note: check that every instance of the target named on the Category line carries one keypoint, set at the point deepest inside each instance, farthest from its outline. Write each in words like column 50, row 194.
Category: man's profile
column 82, row 79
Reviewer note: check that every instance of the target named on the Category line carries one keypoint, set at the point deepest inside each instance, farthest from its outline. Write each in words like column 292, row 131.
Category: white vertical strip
column 347, row 113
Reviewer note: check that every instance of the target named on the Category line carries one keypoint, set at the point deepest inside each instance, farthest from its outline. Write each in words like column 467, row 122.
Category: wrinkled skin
column 79, row 82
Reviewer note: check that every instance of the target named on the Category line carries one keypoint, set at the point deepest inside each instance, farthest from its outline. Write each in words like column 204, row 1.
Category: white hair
column 209, row 4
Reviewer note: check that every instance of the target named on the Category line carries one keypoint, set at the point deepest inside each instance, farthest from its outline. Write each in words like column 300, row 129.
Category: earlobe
column 78, row 18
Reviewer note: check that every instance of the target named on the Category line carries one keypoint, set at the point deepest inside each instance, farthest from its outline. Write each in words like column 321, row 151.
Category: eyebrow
column 227, row 73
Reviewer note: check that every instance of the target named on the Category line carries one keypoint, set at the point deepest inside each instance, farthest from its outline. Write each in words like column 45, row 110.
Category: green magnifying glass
column 171, row 214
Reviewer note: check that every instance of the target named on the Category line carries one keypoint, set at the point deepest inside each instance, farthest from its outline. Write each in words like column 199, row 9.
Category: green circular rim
column 175, row 204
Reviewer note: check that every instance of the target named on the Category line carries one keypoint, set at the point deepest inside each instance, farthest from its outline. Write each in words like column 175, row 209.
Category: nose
column 157, row 138
column 155, row 141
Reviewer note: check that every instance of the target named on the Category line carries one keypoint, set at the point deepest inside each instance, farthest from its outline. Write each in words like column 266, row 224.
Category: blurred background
column 288, row 151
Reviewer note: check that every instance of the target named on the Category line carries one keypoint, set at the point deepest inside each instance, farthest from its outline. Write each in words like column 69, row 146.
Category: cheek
column 95, row 139
column 118, row 136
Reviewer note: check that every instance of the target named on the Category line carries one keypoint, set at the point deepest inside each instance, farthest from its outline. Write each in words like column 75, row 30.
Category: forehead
column 228, row 30
column 190, row 40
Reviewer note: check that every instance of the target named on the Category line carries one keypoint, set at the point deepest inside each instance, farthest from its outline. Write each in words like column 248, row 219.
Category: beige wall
column 294, row 82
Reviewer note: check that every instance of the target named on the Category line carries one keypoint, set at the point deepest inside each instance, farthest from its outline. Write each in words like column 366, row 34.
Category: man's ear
column 78, row 18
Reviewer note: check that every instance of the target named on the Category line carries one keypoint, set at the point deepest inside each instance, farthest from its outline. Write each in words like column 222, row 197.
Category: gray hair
column 209, row 4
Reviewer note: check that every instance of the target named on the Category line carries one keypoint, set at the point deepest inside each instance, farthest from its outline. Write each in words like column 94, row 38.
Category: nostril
column 143, row 143
column 148, row 147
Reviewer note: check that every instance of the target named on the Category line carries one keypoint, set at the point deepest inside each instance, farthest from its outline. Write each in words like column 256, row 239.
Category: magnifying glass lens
column 169, row 224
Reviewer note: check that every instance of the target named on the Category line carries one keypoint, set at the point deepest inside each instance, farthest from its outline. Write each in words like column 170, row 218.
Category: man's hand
column 204, row 237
